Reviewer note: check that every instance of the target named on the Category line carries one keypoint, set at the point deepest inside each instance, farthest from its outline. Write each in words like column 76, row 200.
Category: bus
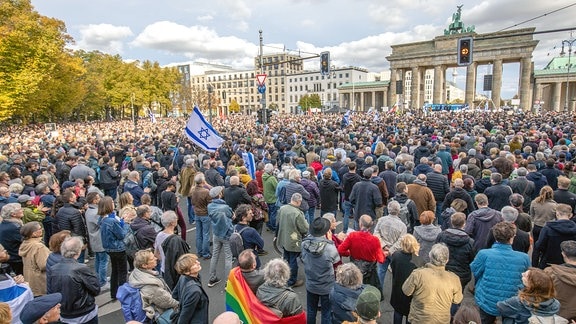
column 445, row 107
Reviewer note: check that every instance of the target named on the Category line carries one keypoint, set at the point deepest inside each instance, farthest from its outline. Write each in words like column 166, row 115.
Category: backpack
column 282, row 196
column 131, row 302
column 405, row 213
column 236, row 242
column 131, row 242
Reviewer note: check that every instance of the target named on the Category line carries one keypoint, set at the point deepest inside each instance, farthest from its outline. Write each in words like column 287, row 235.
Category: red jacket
column 362, row 245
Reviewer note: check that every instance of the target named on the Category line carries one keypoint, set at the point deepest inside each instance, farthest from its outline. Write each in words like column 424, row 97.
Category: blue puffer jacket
column 498, row 273
column 221, row 215
column 113, row 232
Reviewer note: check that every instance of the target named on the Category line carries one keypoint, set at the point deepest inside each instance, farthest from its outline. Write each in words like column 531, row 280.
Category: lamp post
column 569, row 42
column 210, row 103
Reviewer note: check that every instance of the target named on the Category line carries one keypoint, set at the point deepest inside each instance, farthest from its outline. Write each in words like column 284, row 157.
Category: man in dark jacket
column 365, row 197
column 383, row 188
column 461, row 247
column 236, row 194
column 438, row 183
column 521, row 242
column 563, row 196
column 498, row 194
column 213, row 177
column 458, row 193
column 76, row 282
column 554, row 233
column 293, row 187
column 390, row 178
column 349, row 179
column 538, row 178
column 480, row 222
column 108, row 177
column 69, row 218
column 145, row 233
column 551, row 173
column 314, row 192
column 133, row 187
column 523, row 186
column 421, row 151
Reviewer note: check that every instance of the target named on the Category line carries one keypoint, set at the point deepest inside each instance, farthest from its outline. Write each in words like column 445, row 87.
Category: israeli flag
column 376, row 117
column 250, row 163
column 199, row 131
column 346, row 118
column 152, row 117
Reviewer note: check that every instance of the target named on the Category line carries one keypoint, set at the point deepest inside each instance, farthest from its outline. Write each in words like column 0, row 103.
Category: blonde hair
column 142, row 257
column 185, row 263
column 409, row 244
column 5, row 314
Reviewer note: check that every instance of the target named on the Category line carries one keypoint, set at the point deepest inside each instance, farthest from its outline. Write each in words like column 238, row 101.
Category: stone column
column 437, row 96
column 525, row 70
column 556, row 97
column 497, row 83
column 392, row 90
column 385, row 100
column 470, row 85
column 539, row 94
column 415, row 88
column 374, row 99
column 362, row 107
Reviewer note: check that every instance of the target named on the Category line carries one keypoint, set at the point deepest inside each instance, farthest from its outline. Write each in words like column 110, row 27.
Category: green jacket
column 32, row 215
column 270, row 182
column 292, row 227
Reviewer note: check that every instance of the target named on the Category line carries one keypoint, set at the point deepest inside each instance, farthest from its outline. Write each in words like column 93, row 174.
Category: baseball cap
column 368, row 303
column 215, row 191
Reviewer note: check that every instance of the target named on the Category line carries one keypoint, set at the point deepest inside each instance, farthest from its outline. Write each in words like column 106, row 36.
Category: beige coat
column 433, row 291
column 422, row 197
column 543, row 212
column 156, row 295
column 34, row 255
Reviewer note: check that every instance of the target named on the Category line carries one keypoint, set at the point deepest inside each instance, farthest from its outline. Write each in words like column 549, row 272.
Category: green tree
column 310, row 101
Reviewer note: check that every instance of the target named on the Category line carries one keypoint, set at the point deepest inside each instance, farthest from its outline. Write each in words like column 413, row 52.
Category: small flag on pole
column 199, row 131
column 152, row 116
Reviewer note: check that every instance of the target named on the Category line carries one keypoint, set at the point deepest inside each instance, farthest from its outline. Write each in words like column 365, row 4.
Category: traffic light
column 325, row 63
column 465, row 51
column 259, row 118
column 268, row 115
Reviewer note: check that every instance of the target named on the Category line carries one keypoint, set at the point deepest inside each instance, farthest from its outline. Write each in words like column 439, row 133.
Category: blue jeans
column 292, row 259
column 100, row 266
column 382, row 269
column 312, row 308
column 399, row 317
column 347, row 213
column 81, row 257
column 310, row 214
column 219, row 244
column 203, row 236
column 111, row 192
column 272, row 210
column 438, row 214
column 191, row 215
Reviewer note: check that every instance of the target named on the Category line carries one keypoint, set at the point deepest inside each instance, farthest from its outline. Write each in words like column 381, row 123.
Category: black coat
column 462, row 253
column 236, row 195
column 78, row 285
column 70, row 218
column 459, row 193
column 402, row 264
column 193, row 300
column 328, row 195
column 173, row 248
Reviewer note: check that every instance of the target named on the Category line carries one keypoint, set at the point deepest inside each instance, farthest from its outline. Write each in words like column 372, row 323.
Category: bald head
column 227, row 318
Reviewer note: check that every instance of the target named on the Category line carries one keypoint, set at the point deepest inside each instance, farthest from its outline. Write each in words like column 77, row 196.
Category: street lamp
column 569, row 43
column 210, row 103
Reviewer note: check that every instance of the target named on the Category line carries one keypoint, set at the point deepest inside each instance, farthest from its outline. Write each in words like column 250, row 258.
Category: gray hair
column 9, row 209
column 71, row 247
column 293, row 174
column 365, row 221
column 296, row 197
column 522, row 172
column 463, row 168
column 509, row 214
column 394, row 208
column 277, row 272
column 349, row 276
column 439, row 254
column 134, row 175
column 168, row 218
column 409, row 165
column 199, row 178
column 268, row 168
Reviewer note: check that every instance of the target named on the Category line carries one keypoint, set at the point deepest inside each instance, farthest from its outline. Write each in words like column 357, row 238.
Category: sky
column 356, row 32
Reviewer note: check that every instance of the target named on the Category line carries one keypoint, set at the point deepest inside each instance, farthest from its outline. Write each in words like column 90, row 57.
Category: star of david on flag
column 199, row 131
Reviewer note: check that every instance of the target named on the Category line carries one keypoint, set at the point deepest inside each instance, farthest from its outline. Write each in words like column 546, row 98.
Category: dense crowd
column 441, row 202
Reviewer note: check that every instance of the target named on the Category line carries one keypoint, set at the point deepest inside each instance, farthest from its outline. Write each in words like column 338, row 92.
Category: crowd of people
column 442, row 203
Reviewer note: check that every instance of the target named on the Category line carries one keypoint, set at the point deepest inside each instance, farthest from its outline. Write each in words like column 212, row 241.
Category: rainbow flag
column 241, row 300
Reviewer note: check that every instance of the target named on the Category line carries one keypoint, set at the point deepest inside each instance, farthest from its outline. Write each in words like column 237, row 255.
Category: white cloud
column 103, row 37
column 195, row 42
